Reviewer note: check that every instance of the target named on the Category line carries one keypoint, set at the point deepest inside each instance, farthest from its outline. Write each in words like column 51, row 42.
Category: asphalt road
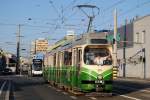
column 34, row 88
column 5, row 88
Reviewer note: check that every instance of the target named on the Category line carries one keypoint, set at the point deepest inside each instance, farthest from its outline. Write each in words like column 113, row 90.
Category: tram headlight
column 100, row 77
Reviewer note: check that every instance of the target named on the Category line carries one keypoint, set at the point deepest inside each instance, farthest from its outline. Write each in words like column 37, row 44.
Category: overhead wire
column 126, row 12
column 55, row 9
column 73, row 1
column 136, row 7
column 25, row 25
column 115, row 4
column 8, row 24
column 58, row 13
column 110, row 7
column 63, row 18
column 70, row 5
column 87, row 2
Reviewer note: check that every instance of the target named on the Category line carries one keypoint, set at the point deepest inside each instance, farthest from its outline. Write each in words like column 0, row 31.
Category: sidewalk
column 139, row 80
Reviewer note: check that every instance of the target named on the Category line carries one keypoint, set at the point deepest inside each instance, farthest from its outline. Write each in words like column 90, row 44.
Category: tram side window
column 74, row 57
column 61, row 59
column 67, row 58
column 54, row 60
column 79, row 59
column 58, row 59
column 88, row 57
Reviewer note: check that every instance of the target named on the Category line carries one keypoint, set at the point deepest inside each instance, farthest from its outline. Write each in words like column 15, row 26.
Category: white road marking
column 130, row 97
column 65, row 93
column 93, row 98
column 125, row 96
column 52, row 87
column 19, row 75
column 58, row 90
column 8, row 92
column 1, row 89
column 49, row 86
column 145, row 91
column 73, row 97
column 145, row 95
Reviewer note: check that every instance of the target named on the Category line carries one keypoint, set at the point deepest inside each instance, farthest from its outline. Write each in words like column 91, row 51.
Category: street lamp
column 18, row 47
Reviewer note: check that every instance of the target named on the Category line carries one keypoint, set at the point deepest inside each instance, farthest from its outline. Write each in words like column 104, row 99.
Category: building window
column 143, row 37
column 137, row 37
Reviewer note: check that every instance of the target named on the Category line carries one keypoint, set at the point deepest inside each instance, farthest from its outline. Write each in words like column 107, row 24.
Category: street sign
column 110, row 37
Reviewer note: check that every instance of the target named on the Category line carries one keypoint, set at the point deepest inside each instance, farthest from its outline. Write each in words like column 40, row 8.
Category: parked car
column 7, row 71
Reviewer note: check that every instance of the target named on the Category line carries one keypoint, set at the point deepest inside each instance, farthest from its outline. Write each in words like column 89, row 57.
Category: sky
column 52, row 19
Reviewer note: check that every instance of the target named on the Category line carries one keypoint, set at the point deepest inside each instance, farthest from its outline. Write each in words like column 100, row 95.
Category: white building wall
column 135, row 67
column 143, row 27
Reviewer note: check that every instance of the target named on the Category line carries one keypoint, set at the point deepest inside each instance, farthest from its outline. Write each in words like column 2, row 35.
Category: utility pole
column 124, row 49
column 115, row 69
column 144, row 61
column 18, row 49
column 35, row 48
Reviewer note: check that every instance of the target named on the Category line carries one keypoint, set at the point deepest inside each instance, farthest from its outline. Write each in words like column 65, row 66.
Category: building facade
column 134, row 55
column 37, row 47
column 41, row 45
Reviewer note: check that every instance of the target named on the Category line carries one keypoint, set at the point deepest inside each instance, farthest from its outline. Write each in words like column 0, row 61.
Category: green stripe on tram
column 89, row 72
column 106, row 74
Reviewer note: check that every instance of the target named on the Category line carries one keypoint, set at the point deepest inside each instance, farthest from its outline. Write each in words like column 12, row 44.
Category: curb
column 133, row 80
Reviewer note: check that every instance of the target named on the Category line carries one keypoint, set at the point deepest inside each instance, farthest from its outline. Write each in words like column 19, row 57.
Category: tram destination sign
column 37, row 61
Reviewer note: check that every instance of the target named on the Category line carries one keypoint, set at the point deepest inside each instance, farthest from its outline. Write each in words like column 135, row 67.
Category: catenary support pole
column 18, row 49
column 124, row 49
column 115, row 69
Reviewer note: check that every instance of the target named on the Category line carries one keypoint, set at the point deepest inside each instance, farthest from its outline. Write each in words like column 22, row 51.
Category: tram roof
column 92, row 38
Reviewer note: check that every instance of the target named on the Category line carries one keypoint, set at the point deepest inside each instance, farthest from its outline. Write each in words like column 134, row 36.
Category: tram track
column 2, row 87
column 5, row 89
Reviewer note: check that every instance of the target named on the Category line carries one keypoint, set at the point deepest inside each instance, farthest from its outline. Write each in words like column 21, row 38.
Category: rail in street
column 5, row 88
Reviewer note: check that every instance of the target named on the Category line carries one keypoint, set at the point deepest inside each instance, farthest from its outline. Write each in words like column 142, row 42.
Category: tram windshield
column 97, row 56
column 37, row 64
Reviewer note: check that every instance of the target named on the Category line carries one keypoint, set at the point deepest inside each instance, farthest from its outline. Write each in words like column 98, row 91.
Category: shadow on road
column 123, row 87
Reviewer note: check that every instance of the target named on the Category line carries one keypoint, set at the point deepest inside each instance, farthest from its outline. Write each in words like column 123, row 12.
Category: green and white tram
column 71, row 64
